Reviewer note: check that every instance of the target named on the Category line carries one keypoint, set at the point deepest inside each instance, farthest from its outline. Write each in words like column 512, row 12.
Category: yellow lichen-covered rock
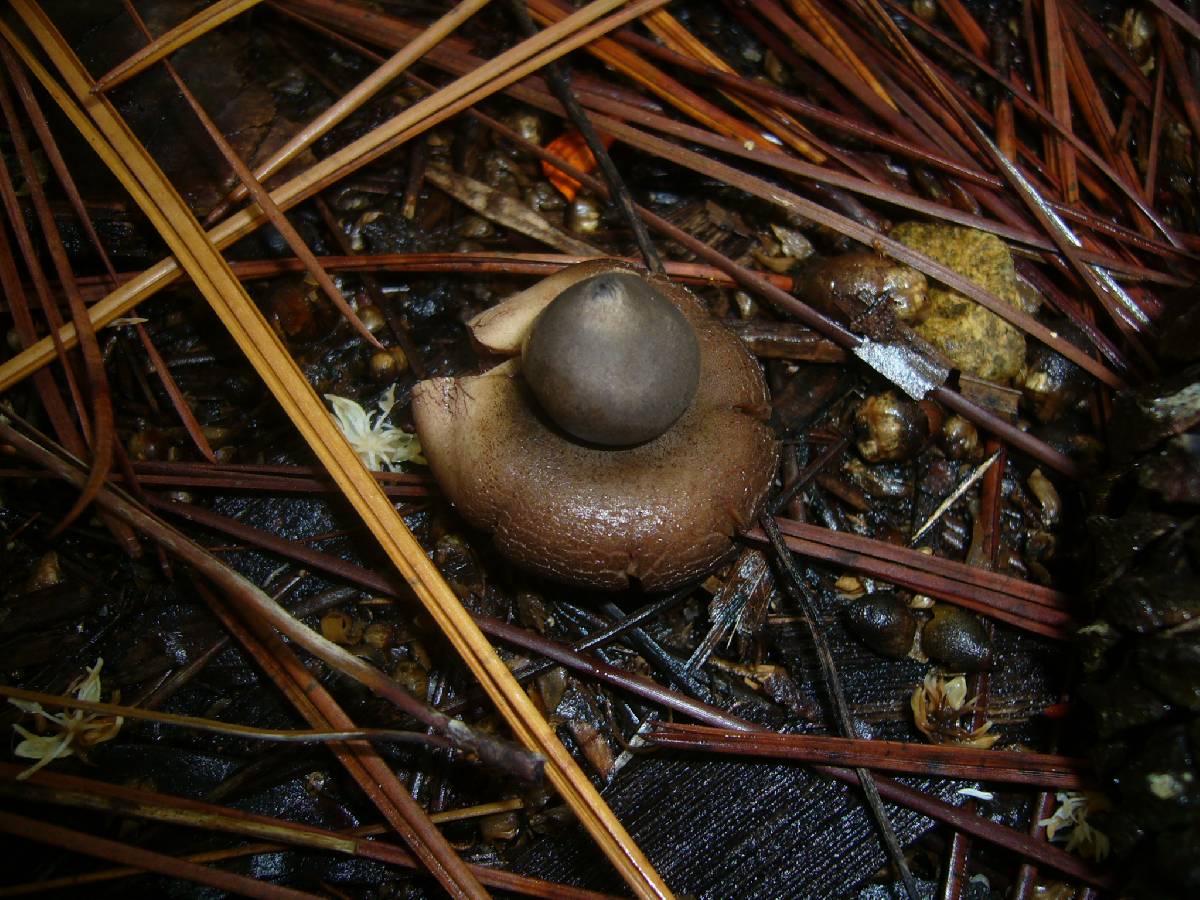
column 977, row 341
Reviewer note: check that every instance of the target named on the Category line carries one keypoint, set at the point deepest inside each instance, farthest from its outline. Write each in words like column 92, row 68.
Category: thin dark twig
column 116, row 851
column 811, row 471
column 559, row 78
column 213, row 726
column 532, row 669
column 794, row 585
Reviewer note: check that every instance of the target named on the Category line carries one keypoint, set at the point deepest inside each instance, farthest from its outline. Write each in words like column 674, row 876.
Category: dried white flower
column 1071, row 818
column 938, row 703
column 379, row 444
column 77, row 730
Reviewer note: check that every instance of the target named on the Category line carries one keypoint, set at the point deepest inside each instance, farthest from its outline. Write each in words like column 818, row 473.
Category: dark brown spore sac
column 957, row 640
column 612, row 361
column 883, row 622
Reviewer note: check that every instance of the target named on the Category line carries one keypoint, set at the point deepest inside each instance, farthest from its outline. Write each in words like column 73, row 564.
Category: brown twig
column 936, row 760
column 1178, row 16
column 1185, row 84
column 89, row 794
column 1060, row 103
column 114, row 851
column 1156, row 123
column 972, row 34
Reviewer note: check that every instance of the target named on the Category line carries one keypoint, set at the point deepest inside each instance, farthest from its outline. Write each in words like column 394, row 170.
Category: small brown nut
column 1052, row 384
column 957, row 640
column 583, row 215
column 960, row 438
column 926, row 10
column 383, row 365
column 883, row 622
column 372, row 318
column 889, row 428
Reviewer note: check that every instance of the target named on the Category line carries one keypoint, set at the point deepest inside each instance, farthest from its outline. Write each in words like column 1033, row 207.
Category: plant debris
column 1070, row 820
column 939, row 703
column 379, row 444
column 74, row 733
column 992, row 205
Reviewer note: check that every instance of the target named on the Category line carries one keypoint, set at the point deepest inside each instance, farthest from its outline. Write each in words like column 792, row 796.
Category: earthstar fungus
column 659, row 511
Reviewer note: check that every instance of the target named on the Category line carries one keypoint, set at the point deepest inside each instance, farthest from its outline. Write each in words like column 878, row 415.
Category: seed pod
column 583, row 216
column 386, row 365
column 926, row 10
column 884, row 623
column 372, row 318
column 960, row 438
column 957, row 640
column 889, row 428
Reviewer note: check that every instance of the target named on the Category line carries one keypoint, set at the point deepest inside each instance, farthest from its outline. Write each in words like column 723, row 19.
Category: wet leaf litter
column 1011, row 463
